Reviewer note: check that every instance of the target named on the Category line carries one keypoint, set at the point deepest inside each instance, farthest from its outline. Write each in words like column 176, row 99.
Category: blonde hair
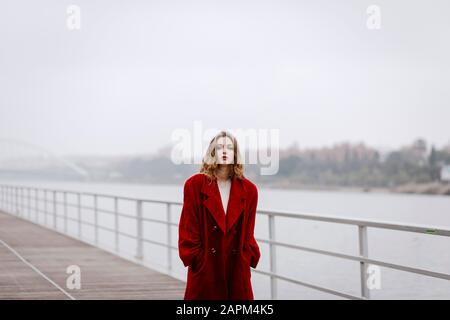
column 209, row 162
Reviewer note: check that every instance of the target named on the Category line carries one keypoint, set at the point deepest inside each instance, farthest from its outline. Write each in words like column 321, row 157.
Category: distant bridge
column 20, row 158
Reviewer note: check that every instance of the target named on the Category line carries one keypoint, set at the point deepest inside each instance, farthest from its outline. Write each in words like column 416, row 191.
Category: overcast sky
column 138, row 70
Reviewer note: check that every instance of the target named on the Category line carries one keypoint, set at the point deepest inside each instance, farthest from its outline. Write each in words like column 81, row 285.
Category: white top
column 224, row 188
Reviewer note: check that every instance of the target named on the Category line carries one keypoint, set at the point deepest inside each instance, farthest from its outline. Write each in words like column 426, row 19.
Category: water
column 416, row 250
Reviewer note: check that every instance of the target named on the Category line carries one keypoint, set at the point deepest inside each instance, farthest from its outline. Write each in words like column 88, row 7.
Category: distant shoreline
column 434, row 188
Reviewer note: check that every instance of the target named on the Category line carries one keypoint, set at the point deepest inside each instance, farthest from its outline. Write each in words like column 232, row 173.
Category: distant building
column 445, row 173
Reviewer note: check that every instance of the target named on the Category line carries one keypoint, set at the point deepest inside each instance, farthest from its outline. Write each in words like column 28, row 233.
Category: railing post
column 12, row 200
column 116, row 224
column 3, row 198
column 65, row 212
column 169, row 239
column 36, row 203
column 79, row 214
column 364, row 252
column 17, row 201
column 95, row 220
column 139, row 249
column 54, row 210
column 9, row 200
column 29, row 203
column 22, row 201
column 45, row 207
column 22, row 213
column 19, row 211
column 273, row 258
column 12, row 210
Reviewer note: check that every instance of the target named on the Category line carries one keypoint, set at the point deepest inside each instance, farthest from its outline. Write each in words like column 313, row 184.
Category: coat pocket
column 246, row 256
column 199, row 261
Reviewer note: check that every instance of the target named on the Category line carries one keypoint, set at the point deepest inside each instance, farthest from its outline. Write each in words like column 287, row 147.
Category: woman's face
column 225, row 151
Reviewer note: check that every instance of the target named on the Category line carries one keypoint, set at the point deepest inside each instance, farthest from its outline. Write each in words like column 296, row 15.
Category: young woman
column 216, row 240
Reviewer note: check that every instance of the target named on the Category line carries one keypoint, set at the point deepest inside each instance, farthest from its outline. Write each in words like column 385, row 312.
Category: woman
column 216, row 240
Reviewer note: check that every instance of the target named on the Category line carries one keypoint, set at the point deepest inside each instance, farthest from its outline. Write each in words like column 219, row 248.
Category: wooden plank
column 103, row 275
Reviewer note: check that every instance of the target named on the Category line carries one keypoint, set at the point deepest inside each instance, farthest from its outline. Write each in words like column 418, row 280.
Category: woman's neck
column 223, row 172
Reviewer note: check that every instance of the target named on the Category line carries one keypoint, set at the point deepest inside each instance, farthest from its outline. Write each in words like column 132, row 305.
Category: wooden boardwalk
column 34, row 260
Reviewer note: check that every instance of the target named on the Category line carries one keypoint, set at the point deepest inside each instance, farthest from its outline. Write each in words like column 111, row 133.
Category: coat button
column 215, row 228
column 213, row 250
column 234, row 251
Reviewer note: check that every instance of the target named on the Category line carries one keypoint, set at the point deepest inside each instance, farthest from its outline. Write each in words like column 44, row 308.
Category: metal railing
column 13, row 198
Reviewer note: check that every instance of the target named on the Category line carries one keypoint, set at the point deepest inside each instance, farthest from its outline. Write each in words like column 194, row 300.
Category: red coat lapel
column 213, row 202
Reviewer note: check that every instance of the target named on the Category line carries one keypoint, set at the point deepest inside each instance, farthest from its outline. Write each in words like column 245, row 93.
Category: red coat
column 218, row 249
